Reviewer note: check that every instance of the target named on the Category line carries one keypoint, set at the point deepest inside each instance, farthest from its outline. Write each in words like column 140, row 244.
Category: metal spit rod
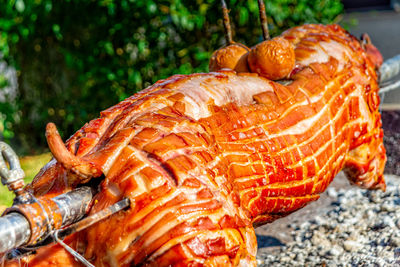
column 16, row 229
column 389, row 69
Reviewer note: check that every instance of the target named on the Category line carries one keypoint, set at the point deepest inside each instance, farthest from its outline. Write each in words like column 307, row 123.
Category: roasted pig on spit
column 204, row 158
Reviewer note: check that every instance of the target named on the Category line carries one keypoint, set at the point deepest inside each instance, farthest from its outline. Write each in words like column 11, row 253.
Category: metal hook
column 71, row 251
column 12, row 177
column 85, row 223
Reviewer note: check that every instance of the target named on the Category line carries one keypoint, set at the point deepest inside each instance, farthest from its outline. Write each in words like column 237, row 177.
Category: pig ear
column 373, row 53
column 365, row 39
column 83, row 168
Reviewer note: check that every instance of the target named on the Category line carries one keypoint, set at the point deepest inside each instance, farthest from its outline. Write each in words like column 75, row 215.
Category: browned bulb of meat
column 273, row 59
column 233, row 56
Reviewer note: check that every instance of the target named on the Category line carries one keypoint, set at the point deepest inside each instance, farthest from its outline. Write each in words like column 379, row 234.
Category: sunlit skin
column 233, row 57
column 204, row 158
column 273, row 59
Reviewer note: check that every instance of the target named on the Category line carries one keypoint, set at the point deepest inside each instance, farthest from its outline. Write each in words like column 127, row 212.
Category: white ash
column 362, row 229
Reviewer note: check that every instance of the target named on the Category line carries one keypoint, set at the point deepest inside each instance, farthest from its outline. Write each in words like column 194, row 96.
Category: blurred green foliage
column 31, row 166
column 75, row 58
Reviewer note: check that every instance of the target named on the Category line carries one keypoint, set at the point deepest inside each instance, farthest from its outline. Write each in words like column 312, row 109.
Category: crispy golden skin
column 206, row 157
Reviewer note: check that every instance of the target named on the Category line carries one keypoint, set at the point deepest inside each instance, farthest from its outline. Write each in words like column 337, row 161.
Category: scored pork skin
column 205, row 157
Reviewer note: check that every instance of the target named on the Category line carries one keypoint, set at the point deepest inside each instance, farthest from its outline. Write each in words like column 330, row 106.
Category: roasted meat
column 204, row 158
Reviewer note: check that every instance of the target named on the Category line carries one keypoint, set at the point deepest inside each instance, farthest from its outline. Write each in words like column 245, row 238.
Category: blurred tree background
column 74, row 58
